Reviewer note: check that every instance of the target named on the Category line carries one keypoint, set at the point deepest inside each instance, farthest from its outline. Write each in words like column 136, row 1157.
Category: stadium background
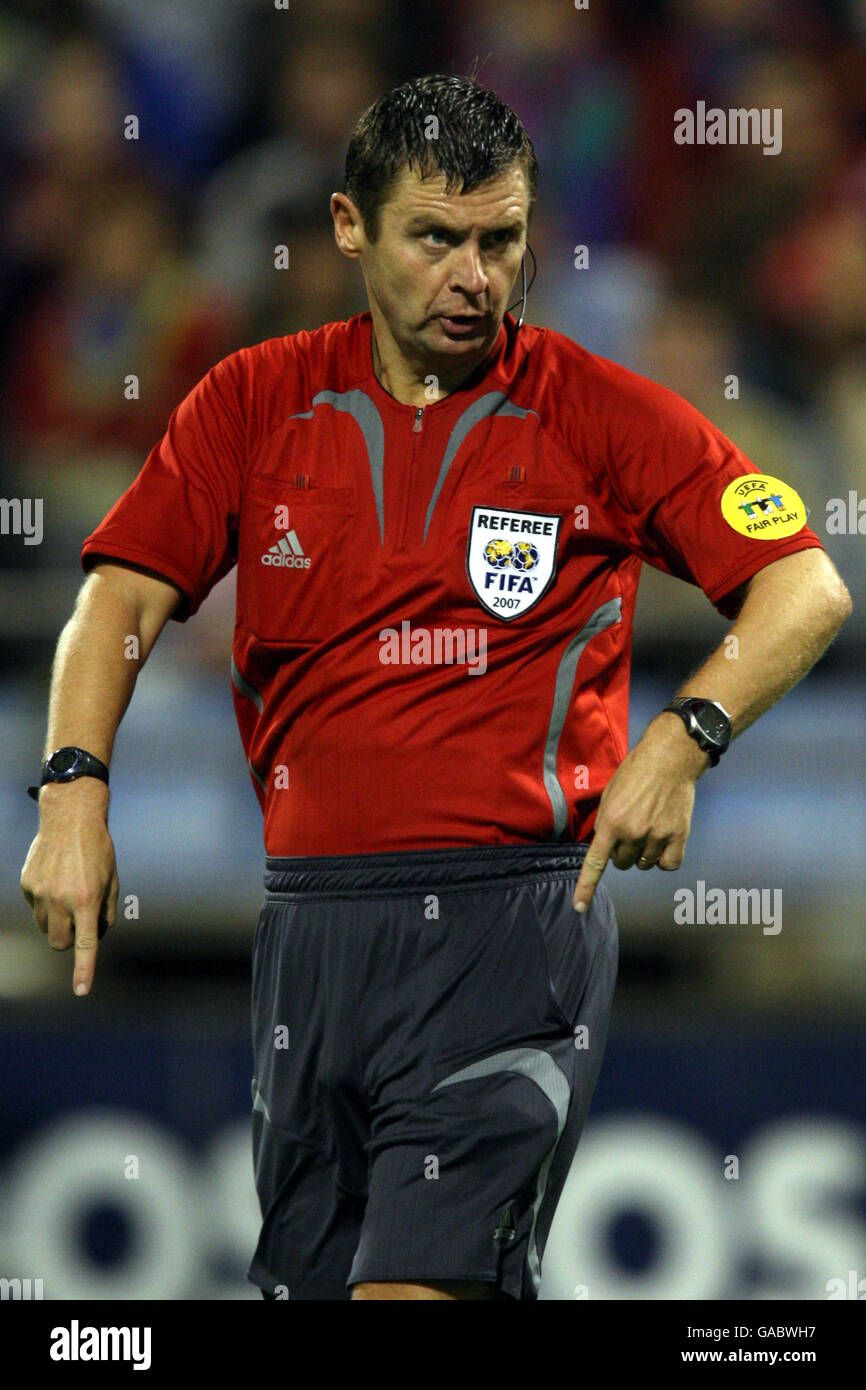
column 124, row 1121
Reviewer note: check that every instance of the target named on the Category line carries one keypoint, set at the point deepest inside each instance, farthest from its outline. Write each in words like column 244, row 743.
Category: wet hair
column 475, row 137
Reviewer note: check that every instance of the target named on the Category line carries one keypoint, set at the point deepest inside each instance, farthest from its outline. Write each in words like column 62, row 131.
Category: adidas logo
column 287, row 554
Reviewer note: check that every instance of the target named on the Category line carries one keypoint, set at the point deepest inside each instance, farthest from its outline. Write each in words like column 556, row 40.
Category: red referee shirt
column 434, row 611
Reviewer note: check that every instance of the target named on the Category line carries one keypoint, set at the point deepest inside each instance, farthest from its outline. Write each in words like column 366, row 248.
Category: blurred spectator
column 810, row 279
column 743, row 200
column 319, row 88
column 185, row 65
column 601, row 295
column 691, row 346
column 61, row 135
column 127, row 305
column 319, row 284
column 555, row 65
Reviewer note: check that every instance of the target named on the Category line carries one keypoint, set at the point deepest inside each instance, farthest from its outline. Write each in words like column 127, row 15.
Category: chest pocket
column 295, row 553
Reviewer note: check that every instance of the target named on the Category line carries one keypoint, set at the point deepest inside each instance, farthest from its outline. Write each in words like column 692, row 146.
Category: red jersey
column 434, row 605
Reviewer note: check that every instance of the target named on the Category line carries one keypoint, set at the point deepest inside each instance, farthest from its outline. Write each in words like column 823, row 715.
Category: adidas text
column 287, row 554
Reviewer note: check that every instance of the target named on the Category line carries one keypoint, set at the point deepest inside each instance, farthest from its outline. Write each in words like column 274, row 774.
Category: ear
column 348, row 225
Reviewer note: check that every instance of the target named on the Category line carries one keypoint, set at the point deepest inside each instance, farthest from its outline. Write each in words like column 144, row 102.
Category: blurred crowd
column 153, row 155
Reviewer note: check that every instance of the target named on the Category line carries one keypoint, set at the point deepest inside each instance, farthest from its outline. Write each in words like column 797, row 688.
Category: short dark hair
column 478, row 138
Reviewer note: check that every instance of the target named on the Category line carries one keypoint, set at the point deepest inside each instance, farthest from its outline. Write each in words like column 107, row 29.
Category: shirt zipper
column 407, row 504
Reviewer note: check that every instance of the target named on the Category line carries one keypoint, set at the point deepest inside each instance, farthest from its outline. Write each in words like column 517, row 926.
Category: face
column 440, row 275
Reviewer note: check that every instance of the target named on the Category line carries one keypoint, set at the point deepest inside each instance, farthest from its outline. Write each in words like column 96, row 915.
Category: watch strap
column 84, row 765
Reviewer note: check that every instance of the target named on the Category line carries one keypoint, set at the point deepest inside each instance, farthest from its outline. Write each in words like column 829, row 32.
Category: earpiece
column 526, row 287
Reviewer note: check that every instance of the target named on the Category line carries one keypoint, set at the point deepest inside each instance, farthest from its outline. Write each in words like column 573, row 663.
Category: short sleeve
column 668, row 468
column 179, row 517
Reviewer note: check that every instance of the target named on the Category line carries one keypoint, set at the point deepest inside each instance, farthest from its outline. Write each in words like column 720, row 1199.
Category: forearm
column 70, row 875
column 96, row 665
column 787, row 621
column 792, row 611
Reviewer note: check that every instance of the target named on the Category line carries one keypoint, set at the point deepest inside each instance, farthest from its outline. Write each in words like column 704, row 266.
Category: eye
column 436, row 232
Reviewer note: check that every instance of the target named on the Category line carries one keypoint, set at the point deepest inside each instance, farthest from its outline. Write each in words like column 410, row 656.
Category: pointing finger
column 86, row 942
column 592, row 869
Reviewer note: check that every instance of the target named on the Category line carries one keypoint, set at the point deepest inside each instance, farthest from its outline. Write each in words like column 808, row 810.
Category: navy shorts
column 428, row 1029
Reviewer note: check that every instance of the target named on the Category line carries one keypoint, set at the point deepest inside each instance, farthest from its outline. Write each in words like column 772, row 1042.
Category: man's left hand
column 645, row 812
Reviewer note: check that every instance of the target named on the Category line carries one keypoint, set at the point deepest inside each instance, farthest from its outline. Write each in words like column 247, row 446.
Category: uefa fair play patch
column 763, row 507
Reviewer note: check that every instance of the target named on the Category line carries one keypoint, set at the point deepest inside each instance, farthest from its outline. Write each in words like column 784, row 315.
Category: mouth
column 462, row 325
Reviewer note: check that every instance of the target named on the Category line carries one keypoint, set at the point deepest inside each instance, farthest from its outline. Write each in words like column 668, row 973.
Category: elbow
column 840, row 604
column 808, row 587
column 828, row 591
column 836, row 597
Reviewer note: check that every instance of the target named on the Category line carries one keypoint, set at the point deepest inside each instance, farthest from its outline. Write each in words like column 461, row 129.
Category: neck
column 410, row 385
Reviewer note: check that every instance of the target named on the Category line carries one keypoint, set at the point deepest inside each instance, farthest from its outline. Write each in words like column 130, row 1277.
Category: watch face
column 713, row 723
column 64, row 761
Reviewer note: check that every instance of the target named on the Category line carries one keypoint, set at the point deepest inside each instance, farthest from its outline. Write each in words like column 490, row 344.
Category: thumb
column 109, row 906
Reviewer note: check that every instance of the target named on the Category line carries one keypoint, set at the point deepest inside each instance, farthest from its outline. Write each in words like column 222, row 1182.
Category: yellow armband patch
column 763, row 507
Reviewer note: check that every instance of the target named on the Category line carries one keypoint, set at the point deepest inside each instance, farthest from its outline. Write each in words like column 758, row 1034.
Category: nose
column 467, row 271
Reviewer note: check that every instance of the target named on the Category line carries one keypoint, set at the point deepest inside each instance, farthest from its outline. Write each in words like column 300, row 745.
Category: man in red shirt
column 438, row 517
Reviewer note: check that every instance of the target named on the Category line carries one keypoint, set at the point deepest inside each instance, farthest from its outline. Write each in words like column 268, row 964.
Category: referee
column 439, row 515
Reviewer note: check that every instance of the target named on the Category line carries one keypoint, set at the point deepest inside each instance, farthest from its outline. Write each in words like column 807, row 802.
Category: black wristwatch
column 66, row 764
column 707, row 722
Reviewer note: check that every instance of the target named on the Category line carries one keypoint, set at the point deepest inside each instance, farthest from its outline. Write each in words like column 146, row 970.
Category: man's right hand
column 69, row 876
